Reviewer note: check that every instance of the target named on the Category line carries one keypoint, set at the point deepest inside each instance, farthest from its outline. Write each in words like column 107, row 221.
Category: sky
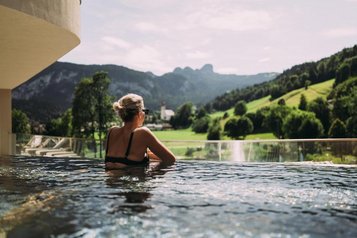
column 235, row 36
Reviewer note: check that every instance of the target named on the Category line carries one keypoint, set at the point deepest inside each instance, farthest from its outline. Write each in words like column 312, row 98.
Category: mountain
column 49, row 93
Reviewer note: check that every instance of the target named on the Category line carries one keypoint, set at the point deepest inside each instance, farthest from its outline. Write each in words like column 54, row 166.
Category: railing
column 334, row 150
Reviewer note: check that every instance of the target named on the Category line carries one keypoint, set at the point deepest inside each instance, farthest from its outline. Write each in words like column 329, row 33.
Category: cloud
column 197, row 55
column 267, row 47
column 146, row 57
column 148, row 27
column 263, row 60
column 340, row 32
column 240, row 21
column 232, row 19
column 115, row 42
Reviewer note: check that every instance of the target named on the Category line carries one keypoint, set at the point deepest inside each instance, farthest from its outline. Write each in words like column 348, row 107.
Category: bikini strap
column 129, row 145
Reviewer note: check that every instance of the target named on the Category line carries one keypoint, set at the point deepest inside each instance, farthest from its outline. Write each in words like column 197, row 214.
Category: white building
column 166, row 114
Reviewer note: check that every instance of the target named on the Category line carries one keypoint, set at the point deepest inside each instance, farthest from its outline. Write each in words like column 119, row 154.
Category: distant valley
column 49, row 93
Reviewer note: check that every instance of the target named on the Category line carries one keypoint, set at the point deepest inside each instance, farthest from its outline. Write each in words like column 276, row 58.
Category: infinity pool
column 43, row 197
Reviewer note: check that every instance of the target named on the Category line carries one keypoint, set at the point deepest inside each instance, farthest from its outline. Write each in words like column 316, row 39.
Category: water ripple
column 68, row 197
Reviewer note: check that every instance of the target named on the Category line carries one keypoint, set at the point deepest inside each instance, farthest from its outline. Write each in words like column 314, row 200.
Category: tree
column 313, row 74
column 201, row 125
column 92, row 107
column 353, row 67
column 225, row 115
column 245, row 126
column 281, row 102
column 301, row 124
column 307, row 84
column 214, row 131
column 342, row 73
column 201, row 113
column 351, row 126
column 292, row 124
column 275, row 92
column 61, row 126
column 274, row 119
column 237, row 128
column 103, row 105
column 303, row 103
column 230, row 128
column 340, row 108
column 240, row 108
column 183, row 116
column 259, row 119
column 20, row 122
column 311, row 128
column 83, row 109
column 319, row 106
column 337, row 129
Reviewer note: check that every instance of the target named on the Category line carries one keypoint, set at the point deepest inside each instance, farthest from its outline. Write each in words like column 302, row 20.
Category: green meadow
column 187, row 134
column 292, row 99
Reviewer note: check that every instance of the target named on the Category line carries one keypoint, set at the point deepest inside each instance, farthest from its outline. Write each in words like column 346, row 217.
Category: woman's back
column 130, row 144
column 122, row 143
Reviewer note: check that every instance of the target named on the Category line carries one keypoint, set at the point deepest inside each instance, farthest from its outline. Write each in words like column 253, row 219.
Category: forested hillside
column 336, row 66
column 310, row 100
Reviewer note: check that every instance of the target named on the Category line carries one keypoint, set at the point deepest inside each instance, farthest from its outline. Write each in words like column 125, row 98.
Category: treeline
column 340, row 66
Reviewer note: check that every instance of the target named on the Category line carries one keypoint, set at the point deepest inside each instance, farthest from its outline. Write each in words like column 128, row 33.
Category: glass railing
column 333, row 150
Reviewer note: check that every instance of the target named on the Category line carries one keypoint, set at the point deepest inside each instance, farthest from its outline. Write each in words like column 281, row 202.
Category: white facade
column 166, row 114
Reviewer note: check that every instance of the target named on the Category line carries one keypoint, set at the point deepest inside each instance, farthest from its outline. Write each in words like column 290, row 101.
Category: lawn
column 185, row 134
column 261, row 136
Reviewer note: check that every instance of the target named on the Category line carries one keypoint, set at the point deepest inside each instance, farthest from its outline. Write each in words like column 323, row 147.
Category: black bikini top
column 124, row 160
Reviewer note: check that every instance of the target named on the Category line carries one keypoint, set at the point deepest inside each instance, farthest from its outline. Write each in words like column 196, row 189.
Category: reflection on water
column 64, row 197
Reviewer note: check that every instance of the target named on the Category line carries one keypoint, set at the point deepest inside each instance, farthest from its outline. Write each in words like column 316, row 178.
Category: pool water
column 61, row 197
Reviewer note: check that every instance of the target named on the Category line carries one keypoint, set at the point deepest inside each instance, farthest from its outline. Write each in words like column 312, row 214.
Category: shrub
column 201, row 125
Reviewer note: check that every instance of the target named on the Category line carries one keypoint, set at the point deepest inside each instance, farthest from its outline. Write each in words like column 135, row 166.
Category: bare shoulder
column 144, row 130
column 114, row 128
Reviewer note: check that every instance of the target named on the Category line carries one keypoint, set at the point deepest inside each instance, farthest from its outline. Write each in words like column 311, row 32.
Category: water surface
column 77, row 198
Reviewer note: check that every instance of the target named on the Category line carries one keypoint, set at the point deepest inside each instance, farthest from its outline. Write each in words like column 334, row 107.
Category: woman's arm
column 157, row 147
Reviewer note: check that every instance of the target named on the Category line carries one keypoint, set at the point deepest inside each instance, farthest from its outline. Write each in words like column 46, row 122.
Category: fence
column 335, row 150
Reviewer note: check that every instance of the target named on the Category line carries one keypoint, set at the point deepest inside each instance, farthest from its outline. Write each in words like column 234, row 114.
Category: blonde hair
column 128, row 106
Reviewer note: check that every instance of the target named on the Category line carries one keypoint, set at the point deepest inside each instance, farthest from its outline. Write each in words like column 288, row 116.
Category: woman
column 128, row 145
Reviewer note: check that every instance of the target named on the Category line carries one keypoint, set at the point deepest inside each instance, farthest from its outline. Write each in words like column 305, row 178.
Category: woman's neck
column 130, row 126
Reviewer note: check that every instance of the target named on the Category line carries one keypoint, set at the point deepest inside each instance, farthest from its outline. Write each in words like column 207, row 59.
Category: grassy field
column 185, row 134
column 261, row 136
column 292, row 99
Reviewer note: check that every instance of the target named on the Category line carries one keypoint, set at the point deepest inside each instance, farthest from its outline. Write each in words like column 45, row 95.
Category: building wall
column 33, row 35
